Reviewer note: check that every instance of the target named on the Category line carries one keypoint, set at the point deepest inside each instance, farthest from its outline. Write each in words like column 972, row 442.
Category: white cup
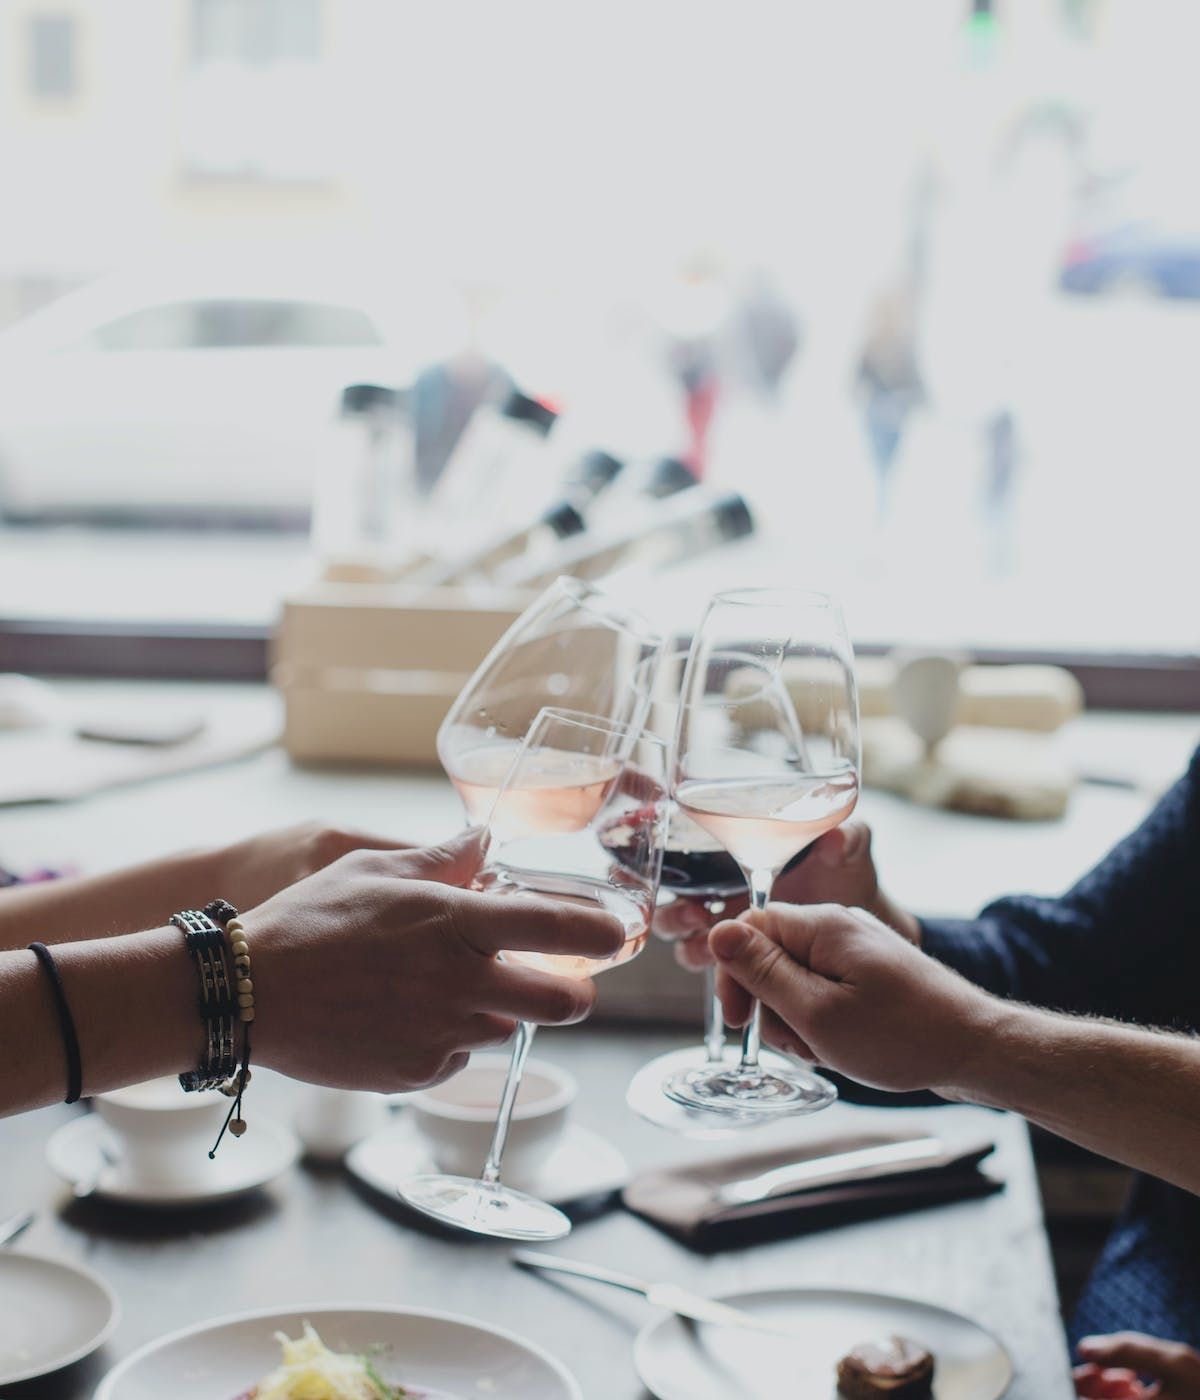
column 329, row 1122
column 456, row 1118
column 161, row 1134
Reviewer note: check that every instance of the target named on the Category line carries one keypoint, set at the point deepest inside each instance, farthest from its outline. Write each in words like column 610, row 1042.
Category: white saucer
column 646, row 1098
column 241, row 1165
column 54, row 1314
column 582, row 1164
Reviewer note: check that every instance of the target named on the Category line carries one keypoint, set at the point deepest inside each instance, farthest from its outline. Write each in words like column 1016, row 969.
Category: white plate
column 241, row 1165
column 681, row 1360
column 53, row 1314
column 437, row 1352
column 582, row 1164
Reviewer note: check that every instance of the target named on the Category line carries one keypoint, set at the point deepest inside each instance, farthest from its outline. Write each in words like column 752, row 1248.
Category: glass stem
column 714, row 1019
column 490, row 1176
column 760, row 882
column 714, row 1012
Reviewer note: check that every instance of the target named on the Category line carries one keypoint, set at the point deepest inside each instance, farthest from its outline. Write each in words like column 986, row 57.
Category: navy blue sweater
column 1124, row 942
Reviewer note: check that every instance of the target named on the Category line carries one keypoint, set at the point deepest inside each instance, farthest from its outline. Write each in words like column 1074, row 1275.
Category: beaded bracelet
column 216, row 1002
column 239, row 947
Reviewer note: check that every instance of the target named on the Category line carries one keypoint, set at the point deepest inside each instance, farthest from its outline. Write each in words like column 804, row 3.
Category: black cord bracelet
column 66, row 1022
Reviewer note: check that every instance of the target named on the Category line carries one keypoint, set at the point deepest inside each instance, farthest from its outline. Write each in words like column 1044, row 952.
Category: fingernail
column 729, row 942
column 1088, row 1344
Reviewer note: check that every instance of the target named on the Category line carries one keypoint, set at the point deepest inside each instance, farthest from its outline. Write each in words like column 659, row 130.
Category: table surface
column 314, row 1237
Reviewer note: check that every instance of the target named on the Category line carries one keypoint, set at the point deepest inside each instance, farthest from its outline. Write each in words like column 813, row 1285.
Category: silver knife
column 15, row 1225
column 661, row 1295
column 865, row 1162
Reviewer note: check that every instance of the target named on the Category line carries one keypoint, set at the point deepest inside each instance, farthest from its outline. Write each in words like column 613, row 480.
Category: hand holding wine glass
column 766, row 762
column 593, row 845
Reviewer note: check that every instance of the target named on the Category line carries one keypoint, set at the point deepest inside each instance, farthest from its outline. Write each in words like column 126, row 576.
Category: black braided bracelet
column 66, row 1022
column 224, row 913
column 216, row 1002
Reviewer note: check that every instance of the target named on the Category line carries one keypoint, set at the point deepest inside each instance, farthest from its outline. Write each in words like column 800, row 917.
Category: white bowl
column 456, row 1118
column 161, row 1133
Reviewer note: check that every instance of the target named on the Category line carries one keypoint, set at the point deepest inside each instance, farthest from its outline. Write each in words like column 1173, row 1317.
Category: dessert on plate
column 896, row 1368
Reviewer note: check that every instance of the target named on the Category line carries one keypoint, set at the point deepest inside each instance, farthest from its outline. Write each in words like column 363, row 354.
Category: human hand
column 249, row 872
column 837, row 869
column 1113, row 1364
column 380, row 971
column 840, row 989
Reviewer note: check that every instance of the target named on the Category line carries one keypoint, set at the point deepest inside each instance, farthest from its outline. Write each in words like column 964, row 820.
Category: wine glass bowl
column 573, row 648
column 766, row 761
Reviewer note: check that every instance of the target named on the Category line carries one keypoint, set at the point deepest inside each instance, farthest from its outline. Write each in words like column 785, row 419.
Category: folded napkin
column 685, row 1200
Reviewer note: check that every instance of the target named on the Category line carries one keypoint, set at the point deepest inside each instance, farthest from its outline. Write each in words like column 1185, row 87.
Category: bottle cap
column 564, row 520
column 595, row 472
column 668, row 477
column 526, row 410
column 361, row 398
column 732, row 517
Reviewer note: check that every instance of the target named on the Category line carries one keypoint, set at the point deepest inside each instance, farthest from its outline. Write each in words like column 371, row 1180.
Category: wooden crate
column 367, row 672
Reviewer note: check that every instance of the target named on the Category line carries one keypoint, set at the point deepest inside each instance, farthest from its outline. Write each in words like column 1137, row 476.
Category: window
column 170, row 327
column 225, row 325
column 52, row 55
column 255, row 32
column 922, row 281
column 254, row 103
column 281, row 324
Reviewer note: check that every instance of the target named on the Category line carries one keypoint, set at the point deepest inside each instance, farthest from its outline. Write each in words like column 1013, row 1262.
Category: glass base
column 647, row 1098
column 467, row 1204
column 767, row 1092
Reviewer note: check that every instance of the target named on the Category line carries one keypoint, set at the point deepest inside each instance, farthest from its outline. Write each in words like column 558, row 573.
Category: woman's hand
column 840, row 989
column 1113, row 1365
column 837, row 869
column 381, row 972
column 251, row 871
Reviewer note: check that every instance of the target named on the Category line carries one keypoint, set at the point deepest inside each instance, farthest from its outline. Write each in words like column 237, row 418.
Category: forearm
column 99, row 906
column 1130, row 1094
column 133, row 1001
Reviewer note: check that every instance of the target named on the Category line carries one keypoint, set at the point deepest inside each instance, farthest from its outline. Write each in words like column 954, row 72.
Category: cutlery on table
column 15, row 1225
column 662, row 1295
column 864, row 1162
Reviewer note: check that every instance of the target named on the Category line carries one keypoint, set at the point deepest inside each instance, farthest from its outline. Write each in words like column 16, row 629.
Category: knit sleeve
column 1124, row 941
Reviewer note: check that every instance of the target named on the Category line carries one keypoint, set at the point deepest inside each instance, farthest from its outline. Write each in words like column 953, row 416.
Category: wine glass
column 766, row 761
column 573, row 648
column 701, row 882
column 595, row 842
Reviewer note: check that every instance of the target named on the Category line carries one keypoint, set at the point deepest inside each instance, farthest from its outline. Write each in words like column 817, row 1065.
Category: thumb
column 450, row 862
column 765, row 969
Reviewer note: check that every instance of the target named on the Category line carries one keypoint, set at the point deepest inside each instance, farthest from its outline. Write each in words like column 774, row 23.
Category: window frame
column 224, row 651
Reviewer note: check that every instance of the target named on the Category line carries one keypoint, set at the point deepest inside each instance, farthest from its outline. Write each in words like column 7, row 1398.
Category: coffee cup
column 160, row 1134
column 456, row 1118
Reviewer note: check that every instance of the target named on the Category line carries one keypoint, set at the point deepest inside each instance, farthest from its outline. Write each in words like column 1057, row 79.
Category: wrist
column 988, row 1032
column 133, row 998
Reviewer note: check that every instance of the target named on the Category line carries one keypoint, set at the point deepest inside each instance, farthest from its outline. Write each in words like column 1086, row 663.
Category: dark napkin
column 682, row 1199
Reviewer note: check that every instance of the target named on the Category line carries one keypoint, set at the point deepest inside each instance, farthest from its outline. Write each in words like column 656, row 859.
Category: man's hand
column 1113, row 1364
column 840, row 989
column 838, row 869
